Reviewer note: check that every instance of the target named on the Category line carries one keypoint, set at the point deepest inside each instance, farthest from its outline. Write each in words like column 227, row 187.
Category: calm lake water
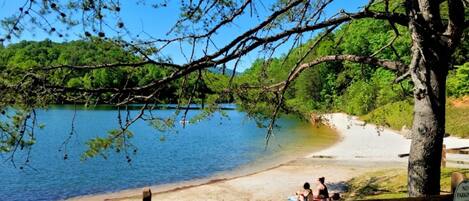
column 212, row 146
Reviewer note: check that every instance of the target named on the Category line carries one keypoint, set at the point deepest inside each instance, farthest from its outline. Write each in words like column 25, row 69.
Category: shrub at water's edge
column 385, row 184
column 399, row 114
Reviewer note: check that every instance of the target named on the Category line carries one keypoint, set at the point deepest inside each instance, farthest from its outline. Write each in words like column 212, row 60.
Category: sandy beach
column 361, row 148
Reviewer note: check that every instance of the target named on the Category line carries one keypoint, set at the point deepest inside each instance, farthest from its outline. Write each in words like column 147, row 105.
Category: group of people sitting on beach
column 307, row 194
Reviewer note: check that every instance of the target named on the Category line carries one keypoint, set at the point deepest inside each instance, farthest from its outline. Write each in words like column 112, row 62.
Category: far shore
column 362, row 148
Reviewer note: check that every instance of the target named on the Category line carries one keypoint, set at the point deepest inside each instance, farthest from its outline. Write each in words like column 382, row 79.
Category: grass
column 398, row 114
column 457, row 121
column 394, row 115
column 392, row 183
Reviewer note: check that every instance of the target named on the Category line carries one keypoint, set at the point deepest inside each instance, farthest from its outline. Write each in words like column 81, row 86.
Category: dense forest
column 358, row 89
column 20, row 58
column 354, row 88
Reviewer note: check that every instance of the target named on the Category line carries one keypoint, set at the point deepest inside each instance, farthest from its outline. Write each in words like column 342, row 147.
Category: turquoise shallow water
column 209, row 147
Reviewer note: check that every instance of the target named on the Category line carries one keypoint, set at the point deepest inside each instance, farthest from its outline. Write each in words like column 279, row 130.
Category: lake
column 213, row 146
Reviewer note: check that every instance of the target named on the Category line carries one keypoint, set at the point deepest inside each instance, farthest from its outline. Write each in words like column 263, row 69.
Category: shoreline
column 360, row 148
column 257, row 166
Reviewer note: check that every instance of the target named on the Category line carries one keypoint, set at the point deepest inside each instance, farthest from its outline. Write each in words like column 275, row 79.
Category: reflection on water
column 199, row 150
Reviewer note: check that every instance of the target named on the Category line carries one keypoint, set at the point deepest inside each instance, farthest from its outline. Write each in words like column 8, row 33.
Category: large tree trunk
column 427, row 131
column 428, row 69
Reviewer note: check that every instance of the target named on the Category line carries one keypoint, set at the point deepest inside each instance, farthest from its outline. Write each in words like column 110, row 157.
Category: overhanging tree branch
column 209, row 60
column 391, row 65
column 242, row 45
column 114, row 65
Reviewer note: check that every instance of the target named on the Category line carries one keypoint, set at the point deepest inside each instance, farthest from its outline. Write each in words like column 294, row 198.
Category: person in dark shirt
column 321, row 193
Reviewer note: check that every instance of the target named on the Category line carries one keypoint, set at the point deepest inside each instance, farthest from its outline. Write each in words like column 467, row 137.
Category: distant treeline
column 16, row 60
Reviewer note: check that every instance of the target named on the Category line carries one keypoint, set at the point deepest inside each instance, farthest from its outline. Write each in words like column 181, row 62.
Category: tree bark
column 428, row 70
column 427, row 131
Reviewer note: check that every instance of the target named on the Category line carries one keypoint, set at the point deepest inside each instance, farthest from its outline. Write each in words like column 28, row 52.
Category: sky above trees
column 144, row 21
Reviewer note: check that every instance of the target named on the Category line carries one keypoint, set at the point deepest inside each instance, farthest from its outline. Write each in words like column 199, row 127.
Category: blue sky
column 144, row 20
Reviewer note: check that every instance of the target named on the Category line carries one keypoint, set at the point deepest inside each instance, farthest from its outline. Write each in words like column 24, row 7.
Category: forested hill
column 17, row 59
column 350, row 87
column 354, row 88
